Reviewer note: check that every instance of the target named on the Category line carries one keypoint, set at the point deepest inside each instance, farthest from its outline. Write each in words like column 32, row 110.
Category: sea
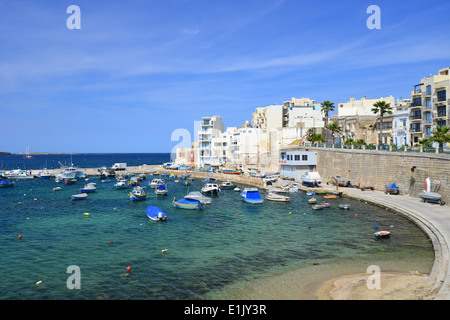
column 229, row 250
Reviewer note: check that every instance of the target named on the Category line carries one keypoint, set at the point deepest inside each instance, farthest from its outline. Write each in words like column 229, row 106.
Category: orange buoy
column 128, row 268
column 20, row 236
column 164, row 250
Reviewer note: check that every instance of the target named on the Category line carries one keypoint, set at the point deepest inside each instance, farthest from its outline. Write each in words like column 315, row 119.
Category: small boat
column 198, row 196
column 138, row 194
column 44, row 174
column 156, row 183
column 391, row 189
column 382, row 234
column 231, row 171
column 161, row 190
column 190, row 204
column 311, row 193
column 121, row 184
column 325, row 204
column 273, row 196
column 331, row 196
column 312, row 200
column 344, row 206
column 317, row 206
column 210, row 189
column 155, row 214
column 429, row 195
column 311, row 179
column 321, row 192
column 237, row 189
column 80, row 196
column 227, row 185
column 90, row 187
column 68, row 172
column 133, row 182
column 70, row 181
column 251, row 195
column 57, row 188
column 5, row 182
column 105, row 180
column 59, row 179
column 18, row 174
column 187, row 182
column 210, row 180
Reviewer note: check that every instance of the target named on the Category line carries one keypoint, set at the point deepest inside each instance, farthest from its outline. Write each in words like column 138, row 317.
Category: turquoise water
column 228, row 242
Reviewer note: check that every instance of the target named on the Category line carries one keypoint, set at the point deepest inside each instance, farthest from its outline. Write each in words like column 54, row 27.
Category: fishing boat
column 382, row 234
column 190, row 204
column 429, row 194
column 155, row 214
column 90, row 187
column 273, row 196
column 231, row 171
column 331, row 196
column 68, row 172
column 5, row 182
column 312, row 200
column 138, row 194
column 156, row 183
column 44, row 174
column 161, row 190
column 344, row 206
column 121, row 184
column 251, row 195
column 210, row 189
column 18, row 174
column 391, row 189
column 317, row 207
column 311, row 179
column 70, row 181
column 227, row 185
column 57, row 189
column 80, row 196
column 311, row 193
column 325, row 204
column 196, row 195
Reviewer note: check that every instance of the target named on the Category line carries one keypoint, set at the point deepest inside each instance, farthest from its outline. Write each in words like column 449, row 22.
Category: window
column 428, row 103
column 304, row 157
column 417, row 102
column 441, row 123
column 428, row 132
column 442, row 96
column 283, row 154
column 297, row 157
column 428, row 117
column 429, row 90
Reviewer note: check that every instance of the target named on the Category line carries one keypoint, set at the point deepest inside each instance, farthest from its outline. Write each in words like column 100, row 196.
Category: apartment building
column 211, row 127
column 429, row 105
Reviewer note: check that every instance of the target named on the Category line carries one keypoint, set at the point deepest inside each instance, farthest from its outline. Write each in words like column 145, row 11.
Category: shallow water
column 210, row 253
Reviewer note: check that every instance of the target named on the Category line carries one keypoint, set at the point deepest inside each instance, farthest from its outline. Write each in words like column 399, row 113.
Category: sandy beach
column 393, row 286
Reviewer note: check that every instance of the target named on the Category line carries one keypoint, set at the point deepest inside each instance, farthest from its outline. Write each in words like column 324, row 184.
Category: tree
column 441, row 136
column 314, row 137
column 334, row 127
column 381, row 107
column 360, row 142
column 326, row 107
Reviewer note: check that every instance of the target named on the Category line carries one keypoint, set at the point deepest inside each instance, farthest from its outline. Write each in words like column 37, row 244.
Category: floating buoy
column 20, row 202
column 376, row 226
column 35, row 199
column 111, row 241
column 86, row 214
column 20, row 236
column 39, row 282
column 290, row 212
column 128, row 268
column 164, row 250
column 356, row 215
column 237, row 214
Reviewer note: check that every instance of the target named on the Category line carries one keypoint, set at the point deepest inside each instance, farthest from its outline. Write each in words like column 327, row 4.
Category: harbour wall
column 380, row 168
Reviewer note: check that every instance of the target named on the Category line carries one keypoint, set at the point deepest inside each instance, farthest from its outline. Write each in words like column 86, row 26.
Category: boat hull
column 188, row 204
column 79, row 196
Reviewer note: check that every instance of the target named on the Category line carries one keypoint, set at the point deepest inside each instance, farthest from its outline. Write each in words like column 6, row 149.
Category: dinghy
column 156, row 214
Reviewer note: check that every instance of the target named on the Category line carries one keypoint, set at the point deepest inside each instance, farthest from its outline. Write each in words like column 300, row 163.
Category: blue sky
column 138, row 70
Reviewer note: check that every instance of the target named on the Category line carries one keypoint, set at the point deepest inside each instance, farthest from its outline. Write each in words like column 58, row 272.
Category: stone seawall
column 380, row 168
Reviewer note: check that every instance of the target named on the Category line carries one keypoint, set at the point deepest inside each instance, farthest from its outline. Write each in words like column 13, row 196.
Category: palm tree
column 441, row 136
column 326, row 107
column 314, row 137
column 382, row 107
column 334, row 127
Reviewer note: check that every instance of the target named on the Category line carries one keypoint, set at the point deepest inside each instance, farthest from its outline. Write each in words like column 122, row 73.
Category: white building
column 400, row 126
column 294, row 164
column 362, row 107
column 211, row 127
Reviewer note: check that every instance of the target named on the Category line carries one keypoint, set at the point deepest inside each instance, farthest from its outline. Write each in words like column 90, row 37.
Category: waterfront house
column 295, row 162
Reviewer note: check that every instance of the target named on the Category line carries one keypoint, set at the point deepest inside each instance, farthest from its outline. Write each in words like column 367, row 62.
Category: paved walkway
column 431, row 218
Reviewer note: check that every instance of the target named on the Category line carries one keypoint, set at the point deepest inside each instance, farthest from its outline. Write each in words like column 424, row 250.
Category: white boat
column 156, row 183
column 196, row 195
column 311, row 179
column 429, row 194
column 18, row 174
column 80, row 196
column 44, row 174
column 68, row 172
column 237, row 189
column 344, row 206
column 121, row 184
column 210, row 189
column 90, row 187
column 273, row 196
column 317, row 207
column 57, row 188
column 161, row 190
column 312, row 200
column 138, row 194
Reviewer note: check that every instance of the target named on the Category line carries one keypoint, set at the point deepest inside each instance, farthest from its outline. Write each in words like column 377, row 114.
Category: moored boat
column 210, row 189
column 227, row 185
column 198, row 196
column 161, row 190
column 90, row 187
column 382, row 234
column 44, row 174
column 312, row 200
column 325, row 204
column 18, row 174
column 80, row 196
column 155, row 214
column 252, row 196
column 317, row 206
column 5, row 182
column 121, row 184
column 70, row 181
column 138, row 194
column 344, row 206
column 273, row 196
column 156, row 183
column 187, row 203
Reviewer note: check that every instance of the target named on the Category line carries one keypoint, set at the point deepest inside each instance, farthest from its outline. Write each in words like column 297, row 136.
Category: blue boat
column 156, row 214
column 5, row 182
column 80, row 196
column 190, row 204
column 90, row 187
column 392, row 189
column 138, row 194
column 251, row 195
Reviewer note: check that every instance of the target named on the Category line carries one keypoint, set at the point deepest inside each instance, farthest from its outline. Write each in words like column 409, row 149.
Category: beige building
column 362, row 107
column 429, row 105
